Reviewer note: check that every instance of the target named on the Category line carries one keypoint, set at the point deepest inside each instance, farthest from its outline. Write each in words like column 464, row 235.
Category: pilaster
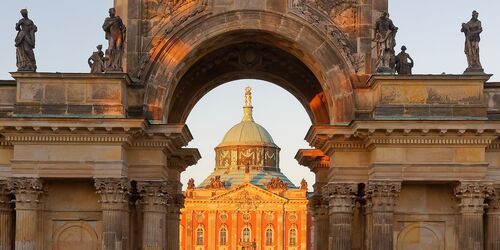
column 6, row 217
column 341, row 201
column 212, row 231
column 472, row 197
column 493, row 221
column 27, row 192
column 154, row 200
column 258, row 227
column 114, row 201
column 381, row 197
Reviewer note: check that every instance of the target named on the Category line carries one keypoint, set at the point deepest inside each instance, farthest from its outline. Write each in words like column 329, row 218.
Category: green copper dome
column 247, row 132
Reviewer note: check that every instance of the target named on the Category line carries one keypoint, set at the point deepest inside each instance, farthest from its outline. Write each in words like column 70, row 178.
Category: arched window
column 247, row 233
column 292, row 237
column 223, row 236
column 200, row 234
column 269, row 236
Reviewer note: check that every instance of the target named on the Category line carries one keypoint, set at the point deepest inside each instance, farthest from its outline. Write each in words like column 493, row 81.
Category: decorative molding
column 430, row 140
column 65, row 138
column 4, row 196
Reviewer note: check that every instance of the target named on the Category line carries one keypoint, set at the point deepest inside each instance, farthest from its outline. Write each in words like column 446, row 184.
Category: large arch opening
column 249, row 60
column 184, row 66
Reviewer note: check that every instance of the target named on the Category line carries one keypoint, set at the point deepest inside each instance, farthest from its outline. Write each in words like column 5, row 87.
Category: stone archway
column 247, row 36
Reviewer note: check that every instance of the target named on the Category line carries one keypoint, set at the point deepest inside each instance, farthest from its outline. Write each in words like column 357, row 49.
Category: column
column 114, row 194
column 234, row 229
column 341, row 199
column 154, row 200
column 493, row 220
column 175, row 203
column 27, row 191
column 319, row 211
column 381, row 199
column 472, row 196
column 6, row 217
column 281, row 231
column 211, row 229
column 258, row 229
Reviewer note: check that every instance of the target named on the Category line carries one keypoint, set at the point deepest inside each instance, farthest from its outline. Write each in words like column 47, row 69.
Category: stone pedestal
column 381, row 199
column 114, row 201
column 154, row 200
column 341, row 199
column 27, row 191
column 472, row 196
column 6, row 217
column 493, row 221
column 319, row 211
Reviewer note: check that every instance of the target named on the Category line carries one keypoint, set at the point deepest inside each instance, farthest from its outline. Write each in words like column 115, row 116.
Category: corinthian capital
column 472, row 195
column 382, row 195
column 4, row 195
column 154, row 194
column 112, row 190
column 26, row 191
column 340, row 196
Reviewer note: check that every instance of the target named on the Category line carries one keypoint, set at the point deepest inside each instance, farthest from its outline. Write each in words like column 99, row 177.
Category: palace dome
column 247, row 132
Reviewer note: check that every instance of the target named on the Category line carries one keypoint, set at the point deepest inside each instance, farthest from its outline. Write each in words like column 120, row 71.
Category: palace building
column 246, row 202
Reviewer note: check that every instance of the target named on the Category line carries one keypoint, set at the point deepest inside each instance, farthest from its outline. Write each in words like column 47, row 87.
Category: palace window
column 269, row 236
column 223, row 236
column 200, row 234
column 246, row 234
column 292, row 237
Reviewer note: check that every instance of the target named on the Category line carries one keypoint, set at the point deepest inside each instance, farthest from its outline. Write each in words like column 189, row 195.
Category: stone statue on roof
column 385, row 41
column 472, row 31
column 115, row 34
column 25, row 43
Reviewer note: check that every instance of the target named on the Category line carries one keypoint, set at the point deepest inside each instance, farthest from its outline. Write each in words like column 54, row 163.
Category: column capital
column 113, row 191
column 340, row 196
column 4, row 195
column 26, row 190
column 154, row 194
column 381, row 196
column 494, row 201
column 472, row 195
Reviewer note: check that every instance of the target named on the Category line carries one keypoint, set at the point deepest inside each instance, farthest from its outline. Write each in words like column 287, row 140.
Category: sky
column 68, row 32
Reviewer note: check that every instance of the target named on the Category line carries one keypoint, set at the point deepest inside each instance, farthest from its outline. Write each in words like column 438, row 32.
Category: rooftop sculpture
column 385, row 41
column 25, row 43
column 404, row 63
column 472, row 30
column 116, row 35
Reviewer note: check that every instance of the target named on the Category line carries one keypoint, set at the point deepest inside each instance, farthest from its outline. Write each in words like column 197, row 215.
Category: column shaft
column 6, row 217
column 26, row 191
column 319, row 210
column 114, row 194
column 381, row 199
column 341, row 198
column 493, row 222
column 472, row 196
column 175, row 203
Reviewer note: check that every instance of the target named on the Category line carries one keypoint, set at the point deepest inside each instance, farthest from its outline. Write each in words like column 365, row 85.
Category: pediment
column 250, row 194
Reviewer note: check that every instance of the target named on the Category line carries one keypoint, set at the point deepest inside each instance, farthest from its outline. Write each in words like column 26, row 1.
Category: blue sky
column 68, row 32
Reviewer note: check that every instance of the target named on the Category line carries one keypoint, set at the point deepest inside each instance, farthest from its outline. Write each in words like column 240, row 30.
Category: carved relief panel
column 76, row 235
column 158, row 14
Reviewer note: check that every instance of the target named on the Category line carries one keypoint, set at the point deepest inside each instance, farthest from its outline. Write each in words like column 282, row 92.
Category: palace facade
column 246, row 202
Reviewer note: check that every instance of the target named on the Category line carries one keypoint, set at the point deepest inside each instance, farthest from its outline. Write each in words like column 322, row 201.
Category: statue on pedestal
column 25, row 43
column 385, row 41
column 96, row 61
column 404, row 62
column 115, row 34
column 472, row 29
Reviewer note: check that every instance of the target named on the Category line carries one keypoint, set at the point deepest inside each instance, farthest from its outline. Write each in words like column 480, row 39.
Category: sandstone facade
column 92, row 161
